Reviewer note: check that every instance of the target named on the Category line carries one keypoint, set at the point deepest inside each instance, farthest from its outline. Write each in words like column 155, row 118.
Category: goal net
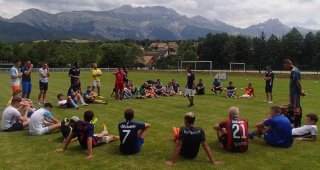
column 237, row 67
column 204, row 66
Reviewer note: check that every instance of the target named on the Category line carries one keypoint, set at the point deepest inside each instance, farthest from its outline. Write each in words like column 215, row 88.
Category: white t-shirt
column 37, row 120
column 14, row 72
column 43, row 75
column 306, row 129
column 9, row 117
column 62, row 102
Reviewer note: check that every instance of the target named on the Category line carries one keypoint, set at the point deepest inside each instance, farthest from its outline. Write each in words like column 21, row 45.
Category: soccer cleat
column 94, row 121
column 270, row 102
column 105, row 131
column 100, row 97
column 85, row 104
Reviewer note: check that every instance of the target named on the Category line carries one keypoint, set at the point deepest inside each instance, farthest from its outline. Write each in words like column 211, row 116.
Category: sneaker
column 39, row 103
column 95, row 121
column 85, row 104
column 266, row 101
column 190, row 105
column 270, row 102
column 100, row 97
column 251, row 135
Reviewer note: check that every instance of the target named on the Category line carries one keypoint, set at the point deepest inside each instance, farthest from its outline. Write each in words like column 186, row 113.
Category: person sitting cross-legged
column 84, row 131
column 188, row 140
column 231, row 90
column 233, row 133
column 307, row 132
column 12, row 119
column 132, row 134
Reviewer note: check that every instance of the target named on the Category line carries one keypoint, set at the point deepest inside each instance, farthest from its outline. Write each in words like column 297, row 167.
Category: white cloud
column 241, row 13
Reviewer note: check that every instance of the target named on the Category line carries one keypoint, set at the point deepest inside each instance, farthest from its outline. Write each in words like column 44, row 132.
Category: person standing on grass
column 188, row 140
column 74, row 72
column 12, row 120
column 43, row 82
column 190, row 86
column 132, row 134
column 119, row 84
column 96, row 74
column 269, row 76
column 295, row 90
column 26, row 79
column 15, row 76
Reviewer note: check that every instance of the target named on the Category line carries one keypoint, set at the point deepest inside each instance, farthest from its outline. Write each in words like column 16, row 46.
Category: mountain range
column 125, row 22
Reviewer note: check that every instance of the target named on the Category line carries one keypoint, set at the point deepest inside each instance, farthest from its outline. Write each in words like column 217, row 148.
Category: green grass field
column 21, row 151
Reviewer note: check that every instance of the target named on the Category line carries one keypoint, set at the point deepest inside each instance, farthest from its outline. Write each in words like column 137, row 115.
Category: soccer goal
column 238, row 67
column 205, row 66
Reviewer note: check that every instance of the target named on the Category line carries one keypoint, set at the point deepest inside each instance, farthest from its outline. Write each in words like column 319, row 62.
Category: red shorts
column 119, row 86
column 15, row 88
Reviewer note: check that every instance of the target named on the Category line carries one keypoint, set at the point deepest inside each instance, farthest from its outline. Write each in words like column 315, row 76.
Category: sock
column 39, row 99
column 44, row 100
column 73, row 104
column 82, row 101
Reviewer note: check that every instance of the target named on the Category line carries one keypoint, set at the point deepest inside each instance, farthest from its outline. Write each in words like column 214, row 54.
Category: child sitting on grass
column 249, row 92
column 231, row 90
column 307, row 132
column 84, row 131
column 90, row 96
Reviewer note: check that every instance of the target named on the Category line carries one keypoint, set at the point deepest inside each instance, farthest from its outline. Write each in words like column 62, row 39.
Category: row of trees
column 61, row 54
column 221, row 49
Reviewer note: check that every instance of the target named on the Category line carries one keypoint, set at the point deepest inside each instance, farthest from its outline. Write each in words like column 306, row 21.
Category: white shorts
column 39, row 132
column 96, row 84
column 190, row 92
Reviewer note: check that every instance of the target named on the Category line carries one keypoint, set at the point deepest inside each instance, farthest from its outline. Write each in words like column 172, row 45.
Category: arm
column 89, row 144
column 28, row 71
column 43, row 74
column 209, row 153
column 175, row 154
column 311, row 138
column 147, row 125
column 298, row 82
column 67, row 142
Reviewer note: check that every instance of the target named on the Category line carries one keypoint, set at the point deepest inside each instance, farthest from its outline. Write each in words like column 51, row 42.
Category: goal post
column 195, row 65
column 239, row 64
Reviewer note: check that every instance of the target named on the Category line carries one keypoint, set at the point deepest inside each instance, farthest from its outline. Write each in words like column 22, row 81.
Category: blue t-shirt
column 217, row 83
column 83, row 130
column 294, row 77
column 281, row 133
column 128, row 132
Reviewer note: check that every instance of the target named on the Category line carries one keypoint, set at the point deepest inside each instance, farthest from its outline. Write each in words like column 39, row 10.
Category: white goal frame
column 195, row 65
column 244, row 66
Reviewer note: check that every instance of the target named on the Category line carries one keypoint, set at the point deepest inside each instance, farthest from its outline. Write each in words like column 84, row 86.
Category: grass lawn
column 21, row 151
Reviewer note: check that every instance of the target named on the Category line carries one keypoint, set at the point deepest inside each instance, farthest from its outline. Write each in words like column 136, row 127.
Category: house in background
column 146, row 61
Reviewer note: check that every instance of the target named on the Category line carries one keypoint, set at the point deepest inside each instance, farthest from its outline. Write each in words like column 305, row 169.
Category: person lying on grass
column 277, row 129
column 90, row 96
column 84, row 131
column 75, row 92
column 42, row 121
column 188, row 140
column 233, row 133
column 132, row 134
column 249, row 92
column 12, row 119
column 231, row 90
column 69, row 102
column 307, row 132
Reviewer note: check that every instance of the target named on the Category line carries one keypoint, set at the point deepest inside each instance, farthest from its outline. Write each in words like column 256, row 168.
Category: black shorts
column 43, row 86
column 15, row 127
column 268, row 89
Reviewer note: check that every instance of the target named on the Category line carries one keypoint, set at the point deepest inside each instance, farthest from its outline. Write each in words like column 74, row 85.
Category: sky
column 240, row 13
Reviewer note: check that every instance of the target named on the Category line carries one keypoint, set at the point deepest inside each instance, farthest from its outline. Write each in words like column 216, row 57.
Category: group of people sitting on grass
column 277, row 130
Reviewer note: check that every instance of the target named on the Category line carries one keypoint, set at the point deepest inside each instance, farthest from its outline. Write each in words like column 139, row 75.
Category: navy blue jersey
column 175, row 87
column 294, row 77
column 191, row 138
column 128, row 132
column 269, row 82
column 74, row 72
column 190, row 83
column 25, row 78
column 84, row 130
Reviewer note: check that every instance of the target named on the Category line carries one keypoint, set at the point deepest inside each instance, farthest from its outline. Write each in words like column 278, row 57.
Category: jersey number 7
column 126, row 136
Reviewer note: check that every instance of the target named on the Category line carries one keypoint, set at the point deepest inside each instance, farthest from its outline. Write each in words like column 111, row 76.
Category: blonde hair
column 234, row 112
